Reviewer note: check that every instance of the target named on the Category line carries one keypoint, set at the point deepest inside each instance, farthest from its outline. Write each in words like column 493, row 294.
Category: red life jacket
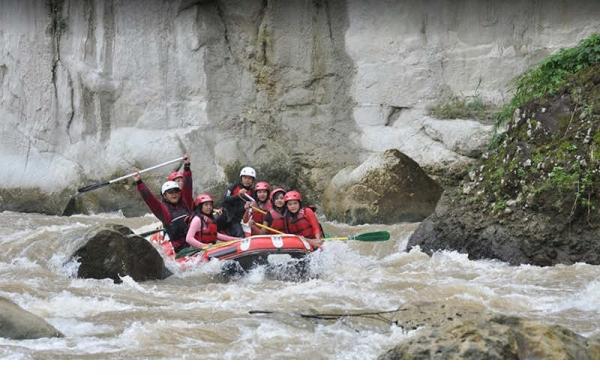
column 208, row 230
column 298, row 224
column 277, row 220
column 259, row 217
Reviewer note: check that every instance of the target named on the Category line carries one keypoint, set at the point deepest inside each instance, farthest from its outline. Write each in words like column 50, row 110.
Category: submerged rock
column 388, row 188
column 19, row 324
column 467, row 331
column 112, row 251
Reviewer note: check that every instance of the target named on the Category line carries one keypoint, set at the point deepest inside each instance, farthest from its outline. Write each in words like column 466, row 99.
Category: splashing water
column 193, row 314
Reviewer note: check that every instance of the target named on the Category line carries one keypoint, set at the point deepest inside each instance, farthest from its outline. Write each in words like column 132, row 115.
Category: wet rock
column 527, row 238
column 109, row 251
column 494, row 337
column 19, row 324
column 387, row 188
column 465, row 137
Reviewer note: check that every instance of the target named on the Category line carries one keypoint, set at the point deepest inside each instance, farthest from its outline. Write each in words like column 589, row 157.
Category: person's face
column 293, row 206
column 247, row 181
column 207, row 208
column 172, row 196
column 262, row 195
column 179, row 180
column 278, row 201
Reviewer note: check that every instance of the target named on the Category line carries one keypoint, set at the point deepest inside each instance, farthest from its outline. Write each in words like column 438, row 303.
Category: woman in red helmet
column 300, row 220
column 275, row 217
column 184, row 179
column 203, row 228
column 261, row 202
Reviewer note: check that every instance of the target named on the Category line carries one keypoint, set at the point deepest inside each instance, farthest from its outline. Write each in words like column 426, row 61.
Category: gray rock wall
column 90, row 89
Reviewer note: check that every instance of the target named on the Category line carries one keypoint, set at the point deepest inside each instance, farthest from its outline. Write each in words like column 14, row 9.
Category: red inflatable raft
column 248, row 252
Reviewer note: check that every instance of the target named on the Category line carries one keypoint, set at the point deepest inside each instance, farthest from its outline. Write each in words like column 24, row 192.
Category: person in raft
column 258, row 208
column 172, row 210
column 203, row 228
column 300, row 220
column 176, row 176
column 179, row 177
column 275, row 217
column 236, row 202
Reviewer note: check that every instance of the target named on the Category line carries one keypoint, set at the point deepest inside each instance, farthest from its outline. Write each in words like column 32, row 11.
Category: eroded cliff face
column 91, row 89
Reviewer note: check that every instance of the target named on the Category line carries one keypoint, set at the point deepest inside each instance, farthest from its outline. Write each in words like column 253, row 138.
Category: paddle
column 367, row 237
column 193, row 250
column 106, row 183
column 146, row 234
column 268, row 228
column 255, row 208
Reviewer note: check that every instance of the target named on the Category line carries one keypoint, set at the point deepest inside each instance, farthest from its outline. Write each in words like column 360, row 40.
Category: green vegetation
column 551, row 74
column 548, row 161
column 458, row 107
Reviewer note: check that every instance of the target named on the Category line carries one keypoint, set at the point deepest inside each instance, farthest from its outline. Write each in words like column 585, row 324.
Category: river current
column 195, row 315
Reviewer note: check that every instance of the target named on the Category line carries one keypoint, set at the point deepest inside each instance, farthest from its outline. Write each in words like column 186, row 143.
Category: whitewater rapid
column 195, row 315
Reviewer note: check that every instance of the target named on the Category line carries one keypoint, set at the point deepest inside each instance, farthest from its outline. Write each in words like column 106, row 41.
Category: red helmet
column 275, row 191
column 175, row 174
column 201, row 199
column 292, row 196
column 262, row 185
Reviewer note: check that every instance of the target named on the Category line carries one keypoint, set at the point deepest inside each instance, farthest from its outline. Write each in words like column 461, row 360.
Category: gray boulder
column 387, row 188
column 19, row 324
column 459, row 329
column 111, row 251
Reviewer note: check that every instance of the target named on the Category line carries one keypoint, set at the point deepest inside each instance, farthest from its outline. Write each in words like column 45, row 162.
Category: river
column 196, row 315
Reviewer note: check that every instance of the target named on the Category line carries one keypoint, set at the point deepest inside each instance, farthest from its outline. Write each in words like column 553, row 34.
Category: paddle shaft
column 101, row 184
column 146, row 170
column 268, row 228
column 255, row 208
column 146, row 234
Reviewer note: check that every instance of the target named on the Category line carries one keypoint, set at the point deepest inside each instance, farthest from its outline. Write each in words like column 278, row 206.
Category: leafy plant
column 551, row 74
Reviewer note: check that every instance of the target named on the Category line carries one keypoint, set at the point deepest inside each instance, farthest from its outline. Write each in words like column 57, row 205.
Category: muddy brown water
column 195, row 315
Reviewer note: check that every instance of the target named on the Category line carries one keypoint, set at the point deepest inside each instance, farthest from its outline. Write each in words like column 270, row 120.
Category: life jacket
column 234, row 207
column 177, row 229
column 298, row 224
column 259, row 217
column 208, row 229
column 278, row 220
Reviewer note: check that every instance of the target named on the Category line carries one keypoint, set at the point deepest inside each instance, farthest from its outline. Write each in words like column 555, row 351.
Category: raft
column 247, row 252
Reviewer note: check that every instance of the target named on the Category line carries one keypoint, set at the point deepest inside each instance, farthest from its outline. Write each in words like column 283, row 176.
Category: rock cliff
column 91, row 89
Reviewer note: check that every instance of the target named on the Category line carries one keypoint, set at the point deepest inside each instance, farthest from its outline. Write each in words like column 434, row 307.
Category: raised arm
column 187, row 191
column 158, row 209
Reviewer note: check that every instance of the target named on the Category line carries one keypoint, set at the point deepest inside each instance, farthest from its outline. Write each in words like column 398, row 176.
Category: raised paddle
column 106, row 183
column 367, row 237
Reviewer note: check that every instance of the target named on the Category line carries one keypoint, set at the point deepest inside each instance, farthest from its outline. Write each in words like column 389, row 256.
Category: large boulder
column 19, row 324
column 388, row 187
column 534, row 197
column 459, row 329
column 495, row 337
column 113, row 251
column 465, row 137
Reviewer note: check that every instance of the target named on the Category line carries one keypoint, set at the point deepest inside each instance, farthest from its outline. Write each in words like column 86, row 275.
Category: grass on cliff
column 548, row 161
column 460, row 107
column 551, row 74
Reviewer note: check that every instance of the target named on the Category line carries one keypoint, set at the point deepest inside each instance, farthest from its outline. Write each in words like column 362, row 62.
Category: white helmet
column 248, row 171
column 169, row 185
